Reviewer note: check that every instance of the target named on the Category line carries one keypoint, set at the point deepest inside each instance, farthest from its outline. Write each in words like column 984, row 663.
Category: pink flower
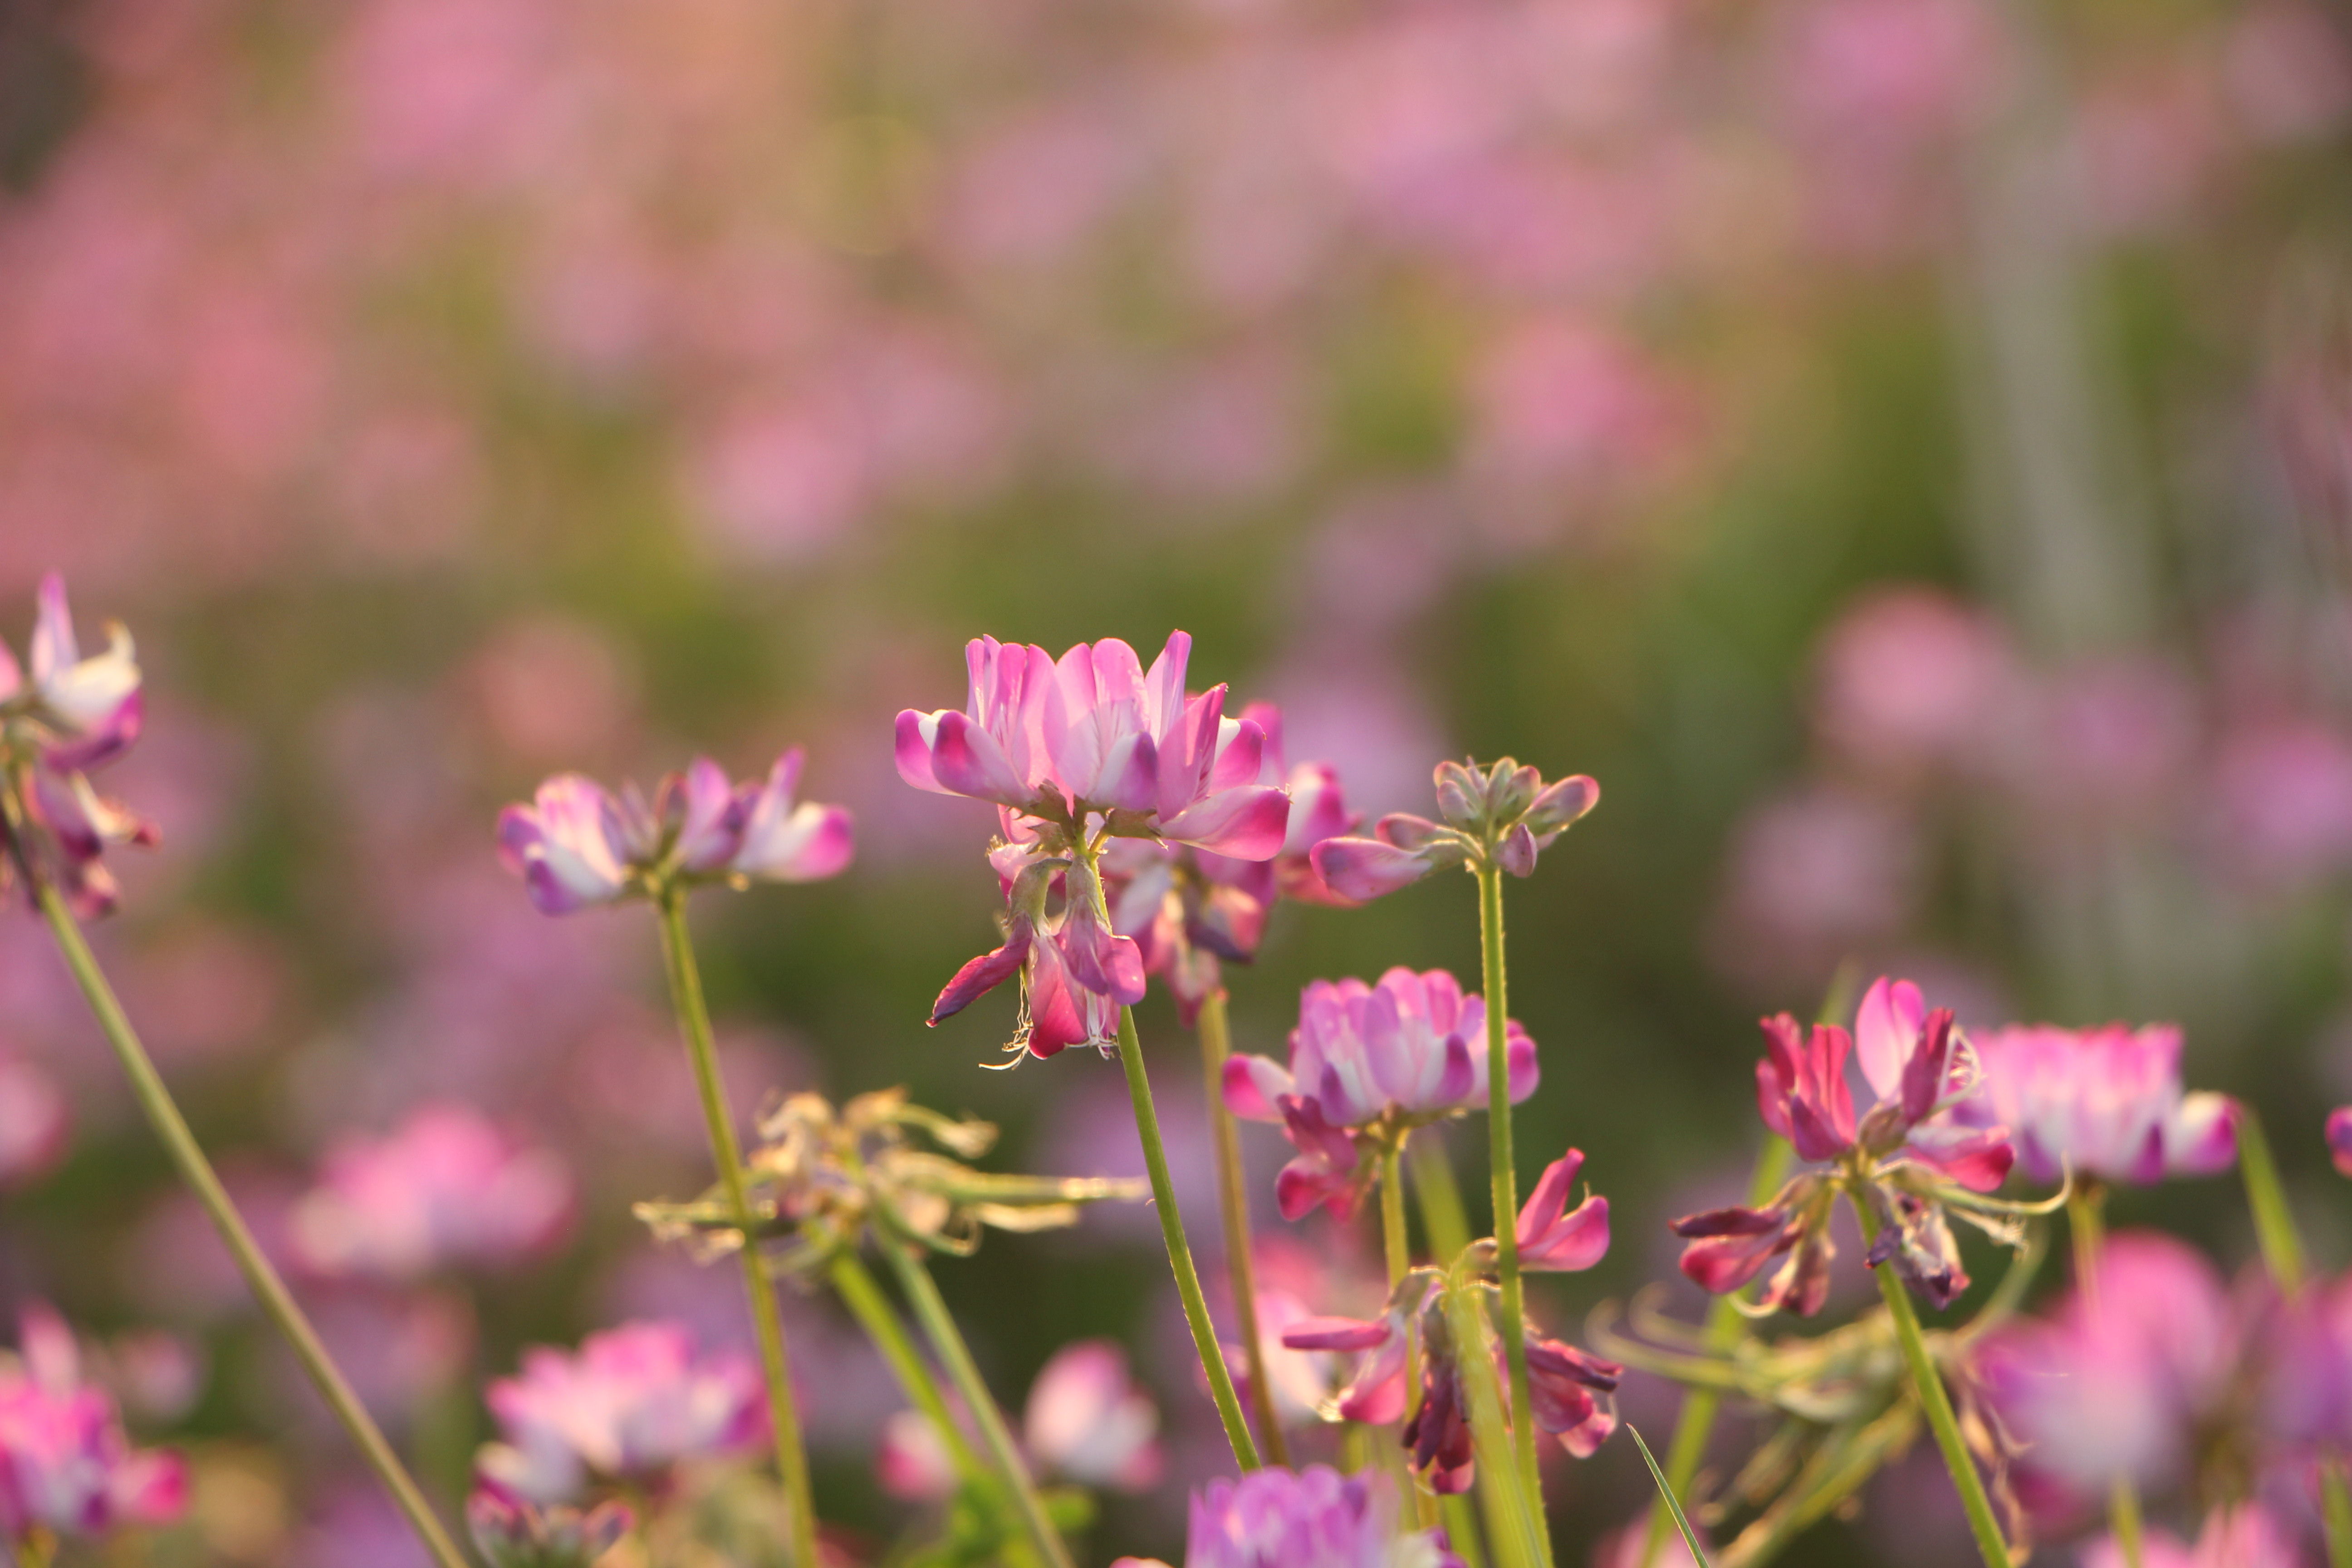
column 1075, row 973
column 1315, row 1518
column 1572, row 1393
column 2104, row 1102
column 65, row 1464
column 34, row 1122
column 1094, row 734
column 1375, row 1394
column 2244, row 1536
column 1551, row 1239
column 2339, row 1138
column 1910, row 678
column 1505, row 815
column 911, row 1461
column 632, row 1402
column 577, row 843
column 1088, row 1421
column 512, row 1532
column 444, row 1189
column 1409, row 1050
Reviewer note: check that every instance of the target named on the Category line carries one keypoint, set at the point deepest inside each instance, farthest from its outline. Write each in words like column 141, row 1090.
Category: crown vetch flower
column 72, row 715
column 512, row 1532
column 1554, row 1239
column 1507, row 816
column 1366, row 1063
column 2106, row 1101
column 64, row 1463
column 444, row 1189
column 1908, row 1155
column 577, row 843
column 1313, row 1518
column 1088, row 1420
column 632, row 1401
column 1075, row 972
column 1375, row 1394
column 1573, row 1394
column 1093, row 735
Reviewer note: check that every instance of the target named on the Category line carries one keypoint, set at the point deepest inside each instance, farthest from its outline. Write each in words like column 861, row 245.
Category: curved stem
column 767, row 1321
column 1180, row 1253
column 156, row 1100
column 2086, row 1229
column 1233, row 1209
column 1505, row 1183
column 1938, row 1404
column 947, row 1344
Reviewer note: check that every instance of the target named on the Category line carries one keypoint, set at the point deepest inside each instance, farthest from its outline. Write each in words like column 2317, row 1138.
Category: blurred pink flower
column 1810, row 877
column 632, row 1401
column 1913, row 70
column 1316, row 1518
column 1562, row 401
column 34, row 1123
column 779, row 484
column 65, row 1464
column 2103, row 1102
column 2287, row 71
column 446, row 1189
column 550, row 688
column 2244, row 1536
column 512, row 1532
column 2281, row 795
column 2339, row 1138
column 1912, row 683
column 1086, row 1420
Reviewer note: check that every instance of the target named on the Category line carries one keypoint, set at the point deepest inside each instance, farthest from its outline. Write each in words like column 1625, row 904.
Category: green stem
column 767, row 1321
column 1180, row 1254
column 1505, row 1183
column 155, row 1098
column 1440, row 1195
column 947, row 1344
column 1511, row 1527
column 1233, row 1209
column 1400, row 1259
column 1938, row 1404
column 1701, row 1405
column 2086, row 1230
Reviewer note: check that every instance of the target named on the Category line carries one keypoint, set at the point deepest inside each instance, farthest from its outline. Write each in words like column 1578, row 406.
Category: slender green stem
column 1505, row 1182
column 155, row 1098
column 1180, row 1254
column 947, row 1344
column 1938, row 1404
column 2336, row 1512
column 767, row 1321
column 2086, row 1204
column 1511, row 1528
column 1233, row 1209
column 1400, row 1259
column 1440, row 1198
column 1701, row 1405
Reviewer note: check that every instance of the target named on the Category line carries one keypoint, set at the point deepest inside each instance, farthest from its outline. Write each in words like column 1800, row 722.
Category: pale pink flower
column 2245, row 1536
column 1315, row 1518
column 65, row 1464
column 34, row 1122
column 446, row 1189
column 1087, row 1420
column 1912, row 682
column 2104, row 1103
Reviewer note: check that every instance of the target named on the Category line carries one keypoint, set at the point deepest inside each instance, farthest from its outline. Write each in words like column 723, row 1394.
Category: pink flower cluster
column 2104, row 1102
column 446, row 1189
column 65, row 1464
column 1086, row 1420
column 1313, row 1518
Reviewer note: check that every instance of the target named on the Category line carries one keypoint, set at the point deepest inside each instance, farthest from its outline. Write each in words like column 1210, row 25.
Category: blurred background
column 1903, row 448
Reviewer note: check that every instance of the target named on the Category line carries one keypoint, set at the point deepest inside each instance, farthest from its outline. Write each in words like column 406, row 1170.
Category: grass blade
column 1681, row 1523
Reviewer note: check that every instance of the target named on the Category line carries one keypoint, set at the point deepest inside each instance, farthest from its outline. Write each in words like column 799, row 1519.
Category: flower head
column 512, row 1532
column 2106, row 1101
column 65, row 1464
column 71, row 715
column 1554, row 1239
column 1504, row 816
column 632, row 1402
column 1368, row 1063
column 1075, row 971
column 444, row 1189
column 1907, row 1154
column 577, row 843
column 1087, row 1420
column 1313, row 1518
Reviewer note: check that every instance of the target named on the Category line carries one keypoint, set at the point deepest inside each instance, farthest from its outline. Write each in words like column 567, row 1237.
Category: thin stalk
column 1461, row 1521
column 2283, row 1255
column 1695, row 1424
column 1233, row 1209
column 2086, row 1226
column 1180, row 1254
column 1511, row 1528
column 1400, row 1259
column 947, row 1344
column 155, row 1098
column 1929, row 1386
column 1506, row 1181
column 694, row 1022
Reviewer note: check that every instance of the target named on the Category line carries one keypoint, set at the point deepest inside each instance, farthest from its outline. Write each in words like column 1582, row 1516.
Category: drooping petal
column 1551, row 1239
column 1366, row 868
column 1246, row 824
column 1977, row 1158
column 1254, row 1087
column 983, row 974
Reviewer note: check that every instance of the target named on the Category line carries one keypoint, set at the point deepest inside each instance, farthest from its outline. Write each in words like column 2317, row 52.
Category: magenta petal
column 1549, row 1201
column 1576, row 1241
column 2339, row 1138
column 967, row 761
column 1519, row 1062
column 1362, row 868
column 1977, row 1158
column 914, row 732
column 1107, row 965
column 1306, row 1182
column 1335, row 1334
column 1252, row 1085
column 982, row 975
column 1246, row 824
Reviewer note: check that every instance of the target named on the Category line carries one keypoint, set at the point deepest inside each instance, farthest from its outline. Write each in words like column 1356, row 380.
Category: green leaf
column 1690, row 1536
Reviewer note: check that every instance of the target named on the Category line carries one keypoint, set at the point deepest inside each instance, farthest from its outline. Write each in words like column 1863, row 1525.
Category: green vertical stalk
column 2282, row 1256
column 1180, row 1253
column 2086, row 1230
column 1695, row 1424
column 947, row 1344
column 1511, row 1526
column 1395, row 1247
column 188, row 1156
column 767, row 1322
column 1505, row 1183
column 1233, row 1209
column 1440, row 1196
column 1929, row 1386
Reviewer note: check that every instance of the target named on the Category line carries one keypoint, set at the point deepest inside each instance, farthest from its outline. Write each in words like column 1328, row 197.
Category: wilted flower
column 1907, row 1156
column 446, row 1189
column 512, row 1532
column 1570, row 1392
column 820, row 1176
column 1315, row 1518
column 1189, row 910
column 577, row 843
column 64, row 717
column 1507, row 817
column 1369, row 1063
column 1093, row 735
column 65, row 1464
column 2105, row 1102
column 632, row 1402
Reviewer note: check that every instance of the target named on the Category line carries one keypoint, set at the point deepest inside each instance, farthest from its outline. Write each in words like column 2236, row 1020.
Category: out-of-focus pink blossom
column 1408, row 1050
column 1912, row 682
column 1553, row 1239
column 632, row 1401
column 65, row 1464
column 1810, row 877
column 2104, row 1103
column 2282, row 794
column 550, row 688
column 2339, row 1138
column 2287, row 71
column 34, row 1122
column 446, row 1189
column 1087, row 1420
column 577, row 844
column 1315, row 1518
column 2245, row 1536
column 513, row 1531
column 910, row 1459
